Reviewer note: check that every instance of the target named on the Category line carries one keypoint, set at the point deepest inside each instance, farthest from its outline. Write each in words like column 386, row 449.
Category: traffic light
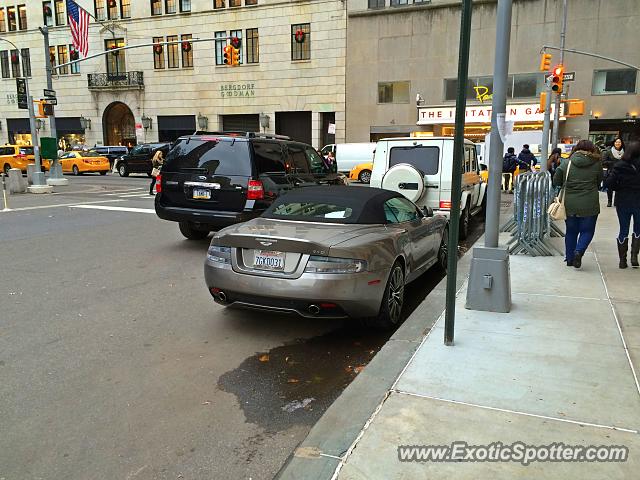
column 545, row 62
column 543, row 101
column 556, row 79
column 44, row 109
column 227, row 55
column 235, row 56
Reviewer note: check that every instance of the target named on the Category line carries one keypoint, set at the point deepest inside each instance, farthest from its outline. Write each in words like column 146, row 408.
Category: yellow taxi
column 361, row 172
column 18, row 156
column 84, row 162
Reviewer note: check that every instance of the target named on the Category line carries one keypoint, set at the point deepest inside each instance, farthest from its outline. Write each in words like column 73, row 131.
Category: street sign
column 49, row 93
column 21, row 86
column 569, row 76
column 50, row 101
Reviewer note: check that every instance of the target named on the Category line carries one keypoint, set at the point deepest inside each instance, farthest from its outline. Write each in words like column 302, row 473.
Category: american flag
column 79, row 23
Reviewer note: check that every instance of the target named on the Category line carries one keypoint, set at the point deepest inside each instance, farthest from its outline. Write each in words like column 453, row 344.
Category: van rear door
column 426, row 158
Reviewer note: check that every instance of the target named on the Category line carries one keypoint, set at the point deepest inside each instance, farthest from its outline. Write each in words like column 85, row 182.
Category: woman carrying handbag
column 579, row 176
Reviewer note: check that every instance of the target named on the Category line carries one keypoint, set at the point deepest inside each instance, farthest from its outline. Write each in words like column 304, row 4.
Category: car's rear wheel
column 392, row 301
column 75, row 170
column 443, row 251
column 123, row 171
column 103, row 173
column 6, row 169
column 365, row 176
column 189, row 231
column 465, row 220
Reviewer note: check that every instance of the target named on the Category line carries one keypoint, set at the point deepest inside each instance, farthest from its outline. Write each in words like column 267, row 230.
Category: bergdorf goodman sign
column 481, row 114
column 237, row 90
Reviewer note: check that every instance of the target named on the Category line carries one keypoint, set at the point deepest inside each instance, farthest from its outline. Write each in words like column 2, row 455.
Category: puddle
column 295, row 383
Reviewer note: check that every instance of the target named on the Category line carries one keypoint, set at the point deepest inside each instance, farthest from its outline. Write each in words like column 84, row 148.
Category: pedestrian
column 526, row 159
column 330, row 161
column 509, row 166
column 580, row 176
column 609, row 157
column 624, row 179
column 554, row 160
column 156, row 162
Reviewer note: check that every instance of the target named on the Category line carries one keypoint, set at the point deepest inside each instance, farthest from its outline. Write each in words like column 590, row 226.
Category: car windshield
column 26, row 150
column 311, row 211
column 215, row 156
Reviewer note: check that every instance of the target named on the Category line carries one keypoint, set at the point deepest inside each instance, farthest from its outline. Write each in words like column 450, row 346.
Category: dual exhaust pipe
column 222, row 297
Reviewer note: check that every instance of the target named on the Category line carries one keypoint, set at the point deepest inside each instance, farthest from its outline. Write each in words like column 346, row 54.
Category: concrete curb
column 319, row 453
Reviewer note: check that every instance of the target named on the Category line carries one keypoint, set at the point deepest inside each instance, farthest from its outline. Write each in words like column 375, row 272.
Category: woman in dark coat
column 624, row 179
column 554, row 160
column 581, row 198
column 609, row 157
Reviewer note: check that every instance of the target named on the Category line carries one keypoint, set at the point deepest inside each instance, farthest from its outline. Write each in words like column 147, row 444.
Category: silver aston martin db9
column 327, row 252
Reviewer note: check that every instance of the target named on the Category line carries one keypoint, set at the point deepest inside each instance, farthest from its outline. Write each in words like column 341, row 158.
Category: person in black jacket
column 526, row 159
column 610, row 156
column 624, row 179
column 509, row 166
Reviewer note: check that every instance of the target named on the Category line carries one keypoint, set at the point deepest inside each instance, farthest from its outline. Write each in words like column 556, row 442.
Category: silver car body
column 415, row 243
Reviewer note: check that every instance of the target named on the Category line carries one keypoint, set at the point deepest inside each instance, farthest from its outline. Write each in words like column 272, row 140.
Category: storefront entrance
column 603, row 132
column 118, row 125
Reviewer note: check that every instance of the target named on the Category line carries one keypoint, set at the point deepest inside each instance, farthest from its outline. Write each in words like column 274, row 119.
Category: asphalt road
column 115, row 363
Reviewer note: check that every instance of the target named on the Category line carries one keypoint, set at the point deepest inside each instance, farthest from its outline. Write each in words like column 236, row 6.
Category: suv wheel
column 365, row 176
column 465, row 220
column 191, row 233
column 123, row 171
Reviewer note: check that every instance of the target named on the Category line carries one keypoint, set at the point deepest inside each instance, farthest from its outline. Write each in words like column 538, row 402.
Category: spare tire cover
column 405, row 179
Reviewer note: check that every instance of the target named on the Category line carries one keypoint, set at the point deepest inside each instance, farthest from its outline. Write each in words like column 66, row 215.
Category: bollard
column 4, row 195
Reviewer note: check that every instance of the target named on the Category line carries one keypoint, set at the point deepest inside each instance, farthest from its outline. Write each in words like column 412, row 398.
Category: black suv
column 111, row 152
column 215, row 180
column 138, row 160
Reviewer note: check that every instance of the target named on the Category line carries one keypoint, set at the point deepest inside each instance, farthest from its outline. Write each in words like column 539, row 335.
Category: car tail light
column 20, row 155
column 159, row 183
column 317, row 264
column 255, row 190
column 445, row 205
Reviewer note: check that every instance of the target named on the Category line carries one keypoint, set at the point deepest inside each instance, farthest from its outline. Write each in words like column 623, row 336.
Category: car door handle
column 431, row 186
column 408, row 186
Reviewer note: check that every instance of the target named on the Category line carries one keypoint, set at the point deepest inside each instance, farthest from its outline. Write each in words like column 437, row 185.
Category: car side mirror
column 427, row 211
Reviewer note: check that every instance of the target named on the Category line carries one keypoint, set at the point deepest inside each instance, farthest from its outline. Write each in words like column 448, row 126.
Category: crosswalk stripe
column 115, row 209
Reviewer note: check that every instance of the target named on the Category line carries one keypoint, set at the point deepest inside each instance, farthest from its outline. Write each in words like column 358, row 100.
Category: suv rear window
column 216, row 157
column 26, row 150
column 268, row 157
column 422, row 157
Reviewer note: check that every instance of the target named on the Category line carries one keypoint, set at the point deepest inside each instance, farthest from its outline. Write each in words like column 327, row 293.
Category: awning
column 18, row 125
column 177, row 122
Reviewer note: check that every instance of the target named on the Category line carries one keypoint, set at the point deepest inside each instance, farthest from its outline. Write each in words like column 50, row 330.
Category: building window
column 395, row 3
column 173, row 61
column 115, row 60
column 221, row 42
column 52, row 60
column 376, row 3
column 250, row 2
column 218, row 3
column 235, row 3
column 11, row 16
column 125, row 8
column 74, row 55
column 158, row 53
column 480, row 89
column 614, row 82
column 3, row 26
column 527, row 85
column 187, row 51
column 156, row 7
column 100, row 10
column 22, row 17
column 47, row 14
column 253, row 46
column 394, row 92
column 59, row 7
column 4, row 63
column 170, row 6
column 301, row 41
column 238, row 34
column 185, row 5
column 26, row 62
column 63, row 58
column 15, row 63
column 112, row 10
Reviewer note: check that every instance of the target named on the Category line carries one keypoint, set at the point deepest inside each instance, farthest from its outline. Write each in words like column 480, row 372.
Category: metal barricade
column 531, row 225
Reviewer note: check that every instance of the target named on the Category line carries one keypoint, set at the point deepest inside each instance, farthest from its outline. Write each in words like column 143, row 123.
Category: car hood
column 283, row 235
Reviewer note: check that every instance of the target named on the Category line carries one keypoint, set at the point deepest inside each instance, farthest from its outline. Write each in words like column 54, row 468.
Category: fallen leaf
column 358, row 369
column 264, row 358
column 207, row 402
column 293, row 380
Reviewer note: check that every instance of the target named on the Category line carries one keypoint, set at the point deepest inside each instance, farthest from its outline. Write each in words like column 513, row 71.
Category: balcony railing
column 116, row 81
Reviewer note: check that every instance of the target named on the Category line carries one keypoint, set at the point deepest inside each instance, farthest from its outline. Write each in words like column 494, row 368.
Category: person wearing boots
column 580, row 175
column 609, row 158
column 624, row 179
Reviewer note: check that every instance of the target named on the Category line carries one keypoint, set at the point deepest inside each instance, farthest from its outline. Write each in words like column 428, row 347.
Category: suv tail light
column 445, row 205
column 255, row 190
column 159, row 183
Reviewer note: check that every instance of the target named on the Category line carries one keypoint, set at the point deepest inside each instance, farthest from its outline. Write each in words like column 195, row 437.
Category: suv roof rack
column 267, row 135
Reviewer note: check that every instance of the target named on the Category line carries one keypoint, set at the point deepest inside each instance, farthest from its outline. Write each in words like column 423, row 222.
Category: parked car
column 111, row 152
column 348, row 155
column 421, row 169
column 361, row 172
column 212, row 181
column 19, row 156
column 328, row 252
column 139, row 159
column 84, row 162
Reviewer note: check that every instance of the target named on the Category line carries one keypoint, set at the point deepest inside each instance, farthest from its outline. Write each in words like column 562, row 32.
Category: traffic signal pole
column 556, row 112
column 546, row 126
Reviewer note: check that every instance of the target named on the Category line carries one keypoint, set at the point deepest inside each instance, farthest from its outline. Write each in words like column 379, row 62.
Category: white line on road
column 60, row 205
column 136, row 195
column 115, row 209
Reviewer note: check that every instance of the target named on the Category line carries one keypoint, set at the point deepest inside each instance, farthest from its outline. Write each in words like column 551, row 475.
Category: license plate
column 201, row 193
column 268, row 260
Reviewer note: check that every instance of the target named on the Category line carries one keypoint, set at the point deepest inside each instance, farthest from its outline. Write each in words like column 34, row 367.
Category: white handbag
column 557, row 210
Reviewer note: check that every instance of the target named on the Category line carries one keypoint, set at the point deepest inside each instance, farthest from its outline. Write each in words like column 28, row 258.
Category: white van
column 348, row 155
column 421, row 169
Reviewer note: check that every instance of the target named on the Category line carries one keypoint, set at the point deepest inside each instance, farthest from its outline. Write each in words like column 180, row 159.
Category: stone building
column 403, row 56
column 291, row 79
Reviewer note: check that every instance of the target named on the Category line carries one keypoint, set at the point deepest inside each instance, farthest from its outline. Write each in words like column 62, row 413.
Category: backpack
column 509, row 163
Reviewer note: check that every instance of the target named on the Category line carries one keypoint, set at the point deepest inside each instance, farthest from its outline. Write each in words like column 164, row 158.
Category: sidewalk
column 560, row 367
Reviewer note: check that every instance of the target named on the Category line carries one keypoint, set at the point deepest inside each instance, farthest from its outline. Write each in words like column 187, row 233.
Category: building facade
column 403, row 59
column 290, row 80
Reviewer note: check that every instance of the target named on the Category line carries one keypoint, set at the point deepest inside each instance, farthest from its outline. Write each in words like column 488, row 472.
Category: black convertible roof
column 366, row 203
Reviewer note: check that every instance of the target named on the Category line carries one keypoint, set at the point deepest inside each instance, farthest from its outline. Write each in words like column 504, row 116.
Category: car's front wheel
column 465, row 220
column 365, row 176
column 392, row 300
column 103, row 173
column 123, row 171
column 188, row 230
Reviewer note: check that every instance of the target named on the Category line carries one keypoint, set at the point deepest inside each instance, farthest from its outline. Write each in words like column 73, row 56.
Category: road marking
column 136, row 195
column 61, row 205
column 114, row 209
